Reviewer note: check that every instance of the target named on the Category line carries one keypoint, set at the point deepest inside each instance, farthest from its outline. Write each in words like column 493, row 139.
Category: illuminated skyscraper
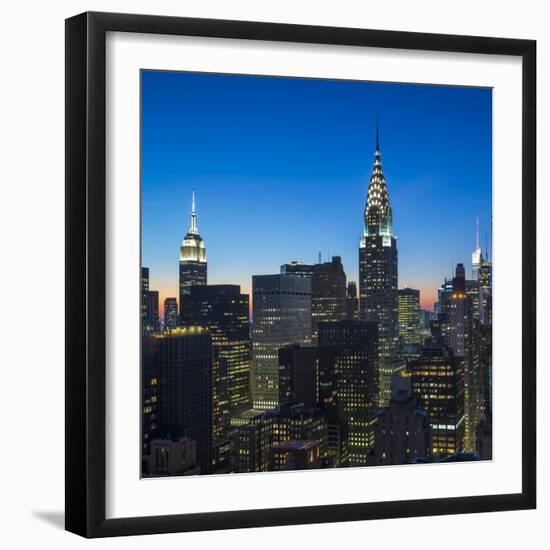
column 328, row 293
column 170, row 314
column 348, row 384
column 408, row 315
column 193, row 266
column 438, row 385
column 378, row 272
column 223, row 311
column 281, row 314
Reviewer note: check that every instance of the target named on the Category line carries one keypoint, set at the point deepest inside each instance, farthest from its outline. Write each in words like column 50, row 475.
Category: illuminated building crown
column 192, row 248
column 378, row 212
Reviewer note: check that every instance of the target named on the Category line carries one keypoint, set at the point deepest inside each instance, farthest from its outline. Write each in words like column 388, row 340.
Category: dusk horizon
column 307, row 147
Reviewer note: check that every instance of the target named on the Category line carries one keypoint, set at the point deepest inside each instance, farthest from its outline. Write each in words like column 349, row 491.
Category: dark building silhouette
column 348, row 386
column 193, row 266
column 402, row 433
column 298, row 379
column 224, row 311
column 152, row 320
column 352, row 302
column 295, row 454
column 378, row 272
column 149, row 396
column 328, row 293
column 144, row 293
column 281, row 316
column 297, row 268
column 182, row 362
column 171, row 317
column 173, row 458
column 437, row 380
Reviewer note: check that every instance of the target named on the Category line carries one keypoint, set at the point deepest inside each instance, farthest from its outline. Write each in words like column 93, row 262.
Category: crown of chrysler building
column 378, row 212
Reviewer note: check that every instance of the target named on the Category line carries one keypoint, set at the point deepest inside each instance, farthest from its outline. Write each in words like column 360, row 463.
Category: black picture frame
column 86, row 284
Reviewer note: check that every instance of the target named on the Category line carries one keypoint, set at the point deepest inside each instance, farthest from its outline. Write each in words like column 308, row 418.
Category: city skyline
column 245, row 236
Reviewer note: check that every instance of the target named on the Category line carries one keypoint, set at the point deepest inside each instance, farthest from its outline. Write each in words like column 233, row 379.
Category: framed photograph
column 300, row 274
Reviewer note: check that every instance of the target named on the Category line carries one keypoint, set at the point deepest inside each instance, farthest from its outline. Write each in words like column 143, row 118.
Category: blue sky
column 281, row 166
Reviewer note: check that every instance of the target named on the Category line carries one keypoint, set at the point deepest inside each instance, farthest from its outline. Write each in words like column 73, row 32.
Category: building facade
column 182, row 363
column 437, row 380
column 348, row 379
column 378, row 272
column 224, row 311
column 281, row 317
column 328, row 293
column 171, row 317
column 408, row 316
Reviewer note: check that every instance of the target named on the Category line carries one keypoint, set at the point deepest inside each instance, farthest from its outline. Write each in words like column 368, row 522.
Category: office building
column 295, row 455
column 297, row 268
column 402, row 433
column 224, row 311
column 182, row 362
column 171, row 317
column 281, row 317
column 437, row 380
column 408, row 316
column 348, row 384
column 328, row 293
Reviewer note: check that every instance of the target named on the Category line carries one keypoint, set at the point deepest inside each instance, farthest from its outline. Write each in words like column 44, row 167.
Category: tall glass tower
column 378, row 273
column 192, row 259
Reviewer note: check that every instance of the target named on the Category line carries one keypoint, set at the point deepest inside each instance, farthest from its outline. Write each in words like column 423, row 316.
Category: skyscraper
column 281, row 316
column 144, row 293
column 193, row 266
column 223, row 311
column 348, row 365
column 477, row 255
column 328, row 293
column 408, row 315
column 297, row 268
column 298, row 375
column 402, row 432
column 438, row 385
column 152, row 320
column 352, row 302
column 182, row 362
column 378, row 272
column 171, row 318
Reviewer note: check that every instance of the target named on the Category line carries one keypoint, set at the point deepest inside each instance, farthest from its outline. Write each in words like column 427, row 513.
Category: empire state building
column 193, row 264
column 378, row 273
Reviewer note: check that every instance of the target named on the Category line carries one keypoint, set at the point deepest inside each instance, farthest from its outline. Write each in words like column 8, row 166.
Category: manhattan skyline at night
column 280, row 168
column 287, row 319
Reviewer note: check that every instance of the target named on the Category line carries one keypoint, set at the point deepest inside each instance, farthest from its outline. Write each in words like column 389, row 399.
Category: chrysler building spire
column 378, row 212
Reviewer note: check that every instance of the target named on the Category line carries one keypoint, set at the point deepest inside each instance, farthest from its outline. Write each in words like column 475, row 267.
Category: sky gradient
column 281, row 166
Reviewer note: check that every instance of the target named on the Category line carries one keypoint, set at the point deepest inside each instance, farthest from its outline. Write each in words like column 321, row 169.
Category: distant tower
column 192, row 259
column 378, row 271
column 477, row 255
